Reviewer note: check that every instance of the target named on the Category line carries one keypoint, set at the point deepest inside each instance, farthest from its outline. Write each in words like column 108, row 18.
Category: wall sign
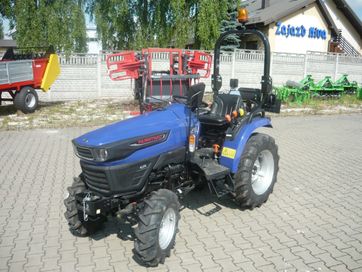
column 300, row 31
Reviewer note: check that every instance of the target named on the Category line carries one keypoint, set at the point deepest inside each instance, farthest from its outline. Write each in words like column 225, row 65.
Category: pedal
column 184, row 191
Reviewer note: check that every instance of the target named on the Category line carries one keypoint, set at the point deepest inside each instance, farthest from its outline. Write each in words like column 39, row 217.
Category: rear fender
column 233, row 149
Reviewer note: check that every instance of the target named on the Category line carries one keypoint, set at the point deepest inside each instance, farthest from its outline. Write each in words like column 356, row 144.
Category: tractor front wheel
column 26, row 100
column 257, row 172
column 157, row 227
column 77, row 225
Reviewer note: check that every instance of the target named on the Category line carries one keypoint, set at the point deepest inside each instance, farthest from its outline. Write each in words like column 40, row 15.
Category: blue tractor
column 141, row 167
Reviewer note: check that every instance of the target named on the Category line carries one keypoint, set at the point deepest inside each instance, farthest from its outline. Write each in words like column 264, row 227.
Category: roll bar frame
column 266, row 81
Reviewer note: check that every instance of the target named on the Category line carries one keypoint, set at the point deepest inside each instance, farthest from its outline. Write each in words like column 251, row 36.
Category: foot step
column 219, row 187
column 211, row 168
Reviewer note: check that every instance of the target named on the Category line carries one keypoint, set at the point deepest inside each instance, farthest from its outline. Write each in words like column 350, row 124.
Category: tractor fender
column 233, row 149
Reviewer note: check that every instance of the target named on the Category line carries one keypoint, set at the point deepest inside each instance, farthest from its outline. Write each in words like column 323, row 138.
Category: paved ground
column 312, row 222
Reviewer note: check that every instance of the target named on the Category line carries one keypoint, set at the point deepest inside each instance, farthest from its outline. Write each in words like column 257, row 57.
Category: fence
column 85, row 76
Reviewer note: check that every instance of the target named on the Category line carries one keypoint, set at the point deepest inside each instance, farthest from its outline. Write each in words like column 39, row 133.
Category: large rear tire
column 157, row 227
column 26, row 100
column 77, row 225
column 257, row 172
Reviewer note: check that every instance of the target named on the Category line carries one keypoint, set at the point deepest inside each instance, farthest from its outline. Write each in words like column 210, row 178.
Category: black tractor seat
column 223, row 104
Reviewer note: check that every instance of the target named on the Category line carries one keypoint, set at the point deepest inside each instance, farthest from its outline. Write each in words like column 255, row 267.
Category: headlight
column 100, row 154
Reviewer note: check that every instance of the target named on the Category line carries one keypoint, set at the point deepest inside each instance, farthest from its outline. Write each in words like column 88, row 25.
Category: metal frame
column 266, row 81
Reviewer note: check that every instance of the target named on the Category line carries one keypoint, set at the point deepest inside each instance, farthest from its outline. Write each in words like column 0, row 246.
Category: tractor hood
column 149, row 123
column 137, row 138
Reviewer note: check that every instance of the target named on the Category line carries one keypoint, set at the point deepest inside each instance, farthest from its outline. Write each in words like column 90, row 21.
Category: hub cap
column 167, row 228
column 30, row 100
column 262, row 172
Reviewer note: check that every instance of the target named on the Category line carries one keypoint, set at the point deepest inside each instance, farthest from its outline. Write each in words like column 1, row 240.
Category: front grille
column 84, row 152
column 96, row 180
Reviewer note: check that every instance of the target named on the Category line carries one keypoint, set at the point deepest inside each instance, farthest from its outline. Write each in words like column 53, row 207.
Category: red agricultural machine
column 24, row 70
column 159, row 73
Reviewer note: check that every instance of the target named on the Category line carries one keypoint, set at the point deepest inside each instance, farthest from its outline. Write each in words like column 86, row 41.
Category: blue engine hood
column 148, row 123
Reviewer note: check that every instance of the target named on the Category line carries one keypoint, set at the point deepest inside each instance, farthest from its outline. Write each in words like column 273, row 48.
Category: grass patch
column 326, row 103
column 97, row 112
column 83, row 113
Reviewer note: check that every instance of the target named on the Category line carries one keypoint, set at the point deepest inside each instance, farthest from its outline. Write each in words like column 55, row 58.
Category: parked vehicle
column 140, row 167
column 24, row 70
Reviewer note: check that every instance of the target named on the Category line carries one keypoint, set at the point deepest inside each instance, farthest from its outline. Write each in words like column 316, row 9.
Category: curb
column 326, row 111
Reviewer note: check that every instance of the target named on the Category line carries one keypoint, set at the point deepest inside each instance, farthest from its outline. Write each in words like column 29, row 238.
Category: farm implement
column 325, row 88
column 24, row 70
column 359, row 93
column 153, row 84
column 139, row 168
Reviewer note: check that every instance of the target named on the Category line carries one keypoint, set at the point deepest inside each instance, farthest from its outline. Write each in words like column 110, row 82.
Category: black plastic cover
column 120, row 179
column 273, row 104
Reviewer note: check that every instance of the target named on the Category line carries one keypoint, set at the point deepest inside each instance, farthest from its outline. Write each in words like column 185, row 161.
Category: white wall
column 86, row 77
column 307, row 17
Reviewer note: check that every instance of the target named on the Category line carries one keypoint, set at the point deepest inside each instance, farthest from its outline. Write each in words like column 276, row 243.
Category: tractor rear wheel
column 157, row 227
column 257, row 172
column 26, row 100
column 77, row 225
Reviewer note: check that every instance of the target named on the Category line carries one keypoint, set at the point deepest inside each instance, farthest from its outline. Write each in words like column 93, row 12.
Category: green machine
column 306, row 89
column 348, row 86
column 326, row 88
column 307, row 82
column 359, row 93
column 287, row 94
column 296, row 91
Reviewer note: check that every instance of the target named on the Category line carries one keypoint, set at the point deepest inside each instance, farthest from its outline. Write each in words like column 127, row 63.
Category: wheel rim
column 30, row 100
column 262, row 172
column 167, row 228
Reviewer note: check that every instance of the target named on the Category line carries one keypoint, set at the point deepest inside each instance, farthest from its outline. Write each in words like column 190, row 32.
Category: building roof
column 7, row 43
column 274, row 10
column 350, row 14
column 277, row 9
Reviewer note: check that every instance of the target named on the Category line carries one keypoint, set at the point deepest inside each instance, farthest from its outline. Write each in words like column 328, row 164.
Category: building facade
column 307, row 25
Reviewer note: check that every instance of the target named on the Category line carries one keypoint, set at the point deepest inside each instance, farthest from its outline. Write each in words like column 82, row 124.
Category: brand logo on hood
column 150, row 139
column 85, row 140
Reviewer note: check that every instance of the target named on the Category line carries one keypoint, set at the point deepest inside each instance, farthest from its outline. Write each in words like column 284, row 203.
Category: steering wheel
column 204, row 107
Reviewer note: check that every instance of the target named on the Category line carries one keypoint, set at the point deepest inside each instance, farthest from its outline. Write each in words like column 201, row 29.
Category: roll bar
column 266, row 82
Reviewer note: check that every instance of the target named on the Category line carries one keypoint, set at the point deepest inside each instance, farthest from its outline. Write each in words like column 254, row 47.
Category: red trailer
column 21, row 72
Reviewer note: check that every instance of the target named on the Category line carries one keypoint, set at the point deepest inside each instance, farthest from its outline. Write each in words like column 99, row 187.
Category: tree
column 114, row 21
column 1, row 29
column 210, row 15
column 5, row 8
column 59, row 23
column 136, row 24
column 125, row 24
column 231, row 23
column 180, row 23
